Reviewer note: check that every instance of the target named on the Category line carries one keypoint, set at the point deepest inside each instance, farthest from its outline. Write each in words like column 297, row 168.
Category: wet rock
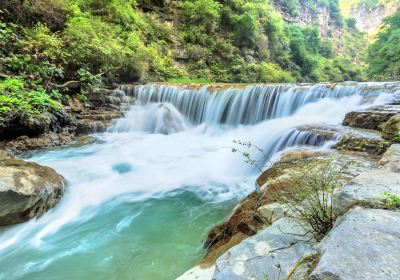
column 364, row 244
column 391, row 128
column 95, row 121
column 372, row 118
column 44, row 141
column 322, row 134
column 27, row 189
column 277, row 252
column 372, row 184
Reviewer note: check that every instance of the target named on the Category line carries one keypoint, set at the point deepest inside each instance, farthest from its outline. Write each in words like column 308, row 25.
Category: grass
column 185, row 80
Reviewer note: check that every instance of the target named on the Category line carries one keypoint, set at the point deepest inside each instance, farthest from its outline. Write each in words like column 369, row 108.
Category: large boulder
column 363, row 245
column 391, row 128
column 277, row 252
column 371, row 118
column 27, row 189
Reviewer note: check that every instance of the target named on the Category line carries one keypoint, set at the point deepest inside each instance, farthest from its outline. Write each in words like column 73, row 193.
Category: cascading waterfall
column 249, row 105
column 142, row 197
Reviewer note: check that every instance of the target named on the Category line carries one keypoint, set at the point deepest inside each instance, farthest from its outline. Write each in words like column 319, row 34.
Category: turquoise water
column 129, row 212
column 155, row 239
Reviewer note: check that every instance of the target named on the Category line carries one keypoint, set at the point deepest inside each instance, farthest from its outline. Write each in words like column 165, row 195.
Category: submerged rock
column 277, row 252
column 364, row 244
column 27, row 189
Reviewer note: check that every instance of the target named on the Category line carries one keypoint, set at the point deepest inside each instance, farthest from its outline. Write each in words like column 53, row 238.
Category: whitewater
column 144, row 194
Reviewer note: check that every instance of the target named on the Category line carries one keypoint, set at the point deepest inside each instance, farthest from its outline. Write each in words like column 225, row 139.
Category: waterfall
column 235, row 105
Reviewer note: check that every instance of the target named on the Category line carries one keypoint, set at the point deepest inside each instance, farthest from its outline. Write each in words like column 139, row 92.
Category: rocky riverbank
column 264, row 238
column 20, row 133
column 27, row 189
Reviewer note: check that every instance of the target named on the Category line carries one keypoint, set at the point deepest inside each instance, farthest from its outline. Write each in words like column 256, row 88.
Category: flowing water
column 142, row 197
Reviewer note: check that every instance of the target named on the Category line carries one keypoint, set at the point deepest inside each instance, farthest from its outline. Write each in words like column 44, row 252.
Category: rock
column 242, row 220
column 277, row 252
column 371, row 118
column 47, row 140
column 364, row 244
column 391, row 128
column 273, row 212
column 371, row 184
column 198, row 273
column 360, row 143
column 20, row 124
column 27, row 189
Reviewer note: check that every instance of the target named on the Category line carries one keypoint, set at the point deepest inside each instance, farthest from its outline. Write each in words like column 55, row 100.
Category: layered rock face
column 27, row 189
column 23, row 133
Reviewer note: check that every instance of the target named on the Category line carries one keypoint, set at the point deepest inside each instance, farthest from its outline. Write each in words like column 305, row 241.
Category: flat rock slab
column 274, row 253
column 364, row 244
column 372, row 184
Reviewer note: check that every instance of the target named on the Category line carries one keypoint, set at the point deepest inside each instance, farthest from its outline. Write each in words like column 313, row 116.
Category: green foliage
column 387, row 200
column 201, row 13
column 397, row 138
column 15, row 96
column 120, row 41
column 384, row 55
column 391, row 200
column 186, row 80
column 273, row 73
column 88, row 80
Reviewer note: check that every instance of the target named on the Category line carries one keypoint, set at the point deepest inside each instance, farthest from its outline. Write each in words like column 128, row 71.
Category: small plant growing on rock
column 387, row 201
column 310, row 195
column 306, row 187
column 396, row 138
column 391, row 200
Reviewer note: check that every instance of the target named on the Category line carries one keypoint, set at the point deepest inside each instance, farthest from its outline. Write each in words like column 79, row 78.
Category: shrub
column 306, row 187
column 14, row 96
column 274, row 73
column 311, row 195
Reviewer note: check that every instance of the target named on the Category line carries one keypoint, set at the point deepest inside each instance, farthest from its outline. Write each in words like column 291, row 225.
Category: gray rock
column 27, row 189
column 273, row 212
column 364, row 244
column 391, row 128
column 274, row 253
column 371, row 118
column 372, row 184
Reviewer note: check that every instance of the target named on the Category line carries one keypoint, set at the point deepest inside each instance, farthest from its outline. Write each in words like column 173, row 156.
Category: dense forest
column 45, row 43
